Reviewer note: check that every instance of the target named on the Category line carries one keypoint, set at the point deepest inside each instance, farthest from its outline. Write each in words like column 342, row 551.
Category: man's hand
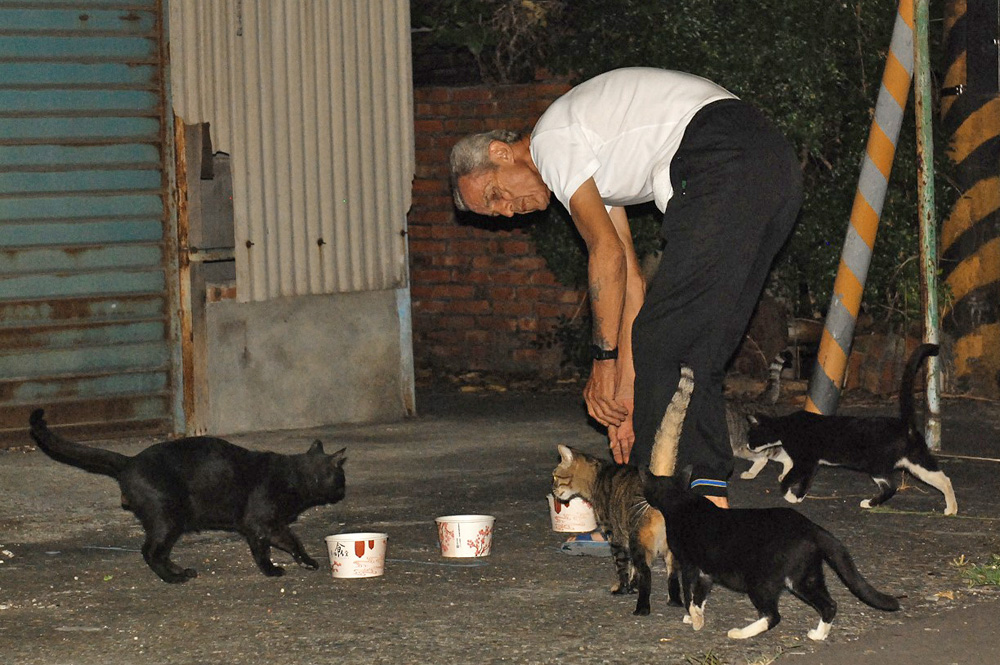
column 622, row 438
column 599, row 394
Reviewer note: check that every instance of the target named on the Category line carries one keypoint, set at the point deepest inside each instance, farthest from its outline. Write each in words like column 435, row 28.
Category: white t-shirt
column 622, row 128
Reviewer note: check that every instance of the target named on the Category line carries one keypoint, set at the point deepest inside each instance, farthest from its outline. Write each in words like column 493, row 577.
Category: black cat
column 875, row 445
column 200, row 483
column 760, row 552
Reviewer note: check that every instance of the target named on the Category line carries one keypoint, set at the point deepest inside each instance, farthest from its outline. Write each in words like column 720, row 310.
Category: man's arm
column 607, row 270
column 623, row 436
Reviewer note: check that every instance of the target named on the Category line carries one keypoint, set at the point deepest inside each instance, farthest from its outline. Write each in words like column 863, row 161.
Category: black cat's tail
column 840, row 560
column 906, row 410
column 88, row 458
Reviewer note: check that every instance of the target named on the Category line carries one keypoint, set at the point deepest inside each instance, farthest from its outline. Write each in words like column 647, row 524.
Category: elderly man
column 730, row 189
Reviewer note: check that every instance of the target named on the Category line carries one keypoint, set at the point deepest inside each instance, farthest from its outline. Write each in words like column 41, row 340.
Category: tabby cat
column 877, row 446
column 740, row 414
column 760, row 552
column 634, row 530
column 200, row 483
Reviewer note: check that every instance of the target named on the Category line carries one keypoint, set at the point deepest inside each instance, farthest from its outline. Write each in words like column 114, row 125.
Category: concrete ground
column 74, row 589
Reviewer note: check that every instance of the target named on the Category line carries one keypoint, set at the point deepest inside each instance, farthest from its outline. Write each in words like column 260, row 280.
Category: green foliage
column 508, row 39
column 986, row 574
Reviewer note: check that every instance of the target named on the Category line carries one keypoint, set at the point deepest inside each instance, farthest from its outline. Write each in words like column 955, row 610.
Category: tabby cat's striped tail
column 663, row 457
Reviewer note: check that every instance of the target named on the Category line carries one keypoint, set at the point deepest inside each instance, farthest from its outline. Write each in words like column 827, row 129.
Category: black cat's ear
column 566, row 453
column 316, row 448
column 339, row 457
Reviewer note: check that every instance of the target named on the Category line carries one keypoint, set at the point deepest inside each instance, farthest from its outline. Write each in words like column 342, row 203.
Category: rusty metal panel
column 313, row 102
column 84, row 293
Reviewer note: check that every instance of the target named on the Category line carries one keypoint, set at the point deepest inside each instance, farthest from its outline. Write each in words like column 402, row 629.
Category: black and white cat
column 877, row 446
column 202, row 483
column 760, row 552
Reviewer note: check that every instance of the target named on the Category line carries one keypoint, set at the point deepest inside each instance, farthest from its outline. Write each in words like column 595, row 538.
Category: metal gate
column 85, row 313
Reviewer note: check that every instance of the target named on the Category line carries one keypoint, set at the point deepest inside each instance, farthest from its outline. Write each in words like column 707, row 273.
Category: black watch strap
column 597, row 353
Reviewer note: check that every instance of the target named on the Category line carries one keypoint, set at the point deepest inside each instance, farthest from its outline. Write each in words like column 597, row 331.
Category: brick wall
column 481, row 294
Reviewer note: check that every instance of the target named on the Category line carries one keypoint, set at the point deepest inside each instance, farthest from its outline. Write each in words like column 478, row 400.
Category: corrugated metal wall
column 84, row 297
column 313, row 102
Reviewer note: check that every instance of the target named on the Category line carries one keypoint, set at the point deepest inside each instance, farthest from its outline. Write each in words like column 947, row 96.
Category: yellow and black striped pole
column 838, row 332
column 970, row 235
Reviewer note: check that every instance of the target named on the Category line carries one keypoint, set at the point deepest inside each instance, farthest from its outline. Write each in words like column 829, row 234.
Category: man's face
column 510, row 189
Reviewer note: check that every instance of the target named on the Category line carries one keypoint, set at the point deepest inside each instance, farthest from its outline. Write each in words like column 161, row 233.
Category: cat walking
column 877, row 446
column 759, row 552
column 206, row 483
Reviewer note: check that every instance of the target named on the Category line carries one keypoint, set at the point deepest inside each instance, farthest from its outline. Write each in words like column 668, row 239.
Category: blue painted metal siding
column 84, row 302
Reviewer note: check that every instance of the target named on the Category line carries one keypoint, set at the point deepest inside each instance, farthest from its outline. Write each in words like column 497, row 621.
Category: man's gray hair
column 472, row 154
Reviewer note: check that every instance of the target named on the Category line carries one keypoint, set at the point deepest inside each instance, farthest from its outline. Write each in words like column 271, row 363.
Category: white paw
column 736, row 634
column 748, row 475
column 820, row 632
column 953, row 510
column 687, row 618
column 781, row 476
column 791, row 498
column 867, row 503
column 697, row 614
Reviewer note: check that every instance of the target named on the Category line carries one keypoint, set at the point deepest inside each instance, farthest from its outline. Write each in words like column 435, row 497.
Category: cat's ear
column 752, row 419
column 566, row 453
column 339, row 457
column 316, row 448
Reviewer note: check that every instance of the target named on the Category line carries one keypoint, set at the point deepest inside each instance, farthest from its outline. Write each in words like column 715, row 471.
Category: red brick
column 438, row 201
column 427, row 307
column 552, row 311
column 450, row 231
column 509, row 277
column 477, row 337
column 528, row 324
column 473, row 246
column 431, row 276
column 529, row 356
column 433, row 94
column 465, row 125
column 478, row 94
column 445, row 260
column 515, row 308
column 516, row 247
column 500, row 293
column 467, row 307
column 428, row 126
column 430, row 186
column 545, row 278
column 454, row 291
column 426, row 246
column 437, row 216
column 528, row 263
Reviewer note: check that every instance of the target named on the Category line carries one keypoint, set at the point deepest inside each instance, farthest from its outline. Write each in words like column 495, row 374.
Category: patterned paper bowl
column 357, row 554
column 465, row 535
column 573, row 516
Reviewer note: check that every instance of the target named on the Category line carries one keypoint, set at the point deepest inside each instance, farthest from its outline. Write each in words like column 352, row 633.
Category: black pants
column 737, row 193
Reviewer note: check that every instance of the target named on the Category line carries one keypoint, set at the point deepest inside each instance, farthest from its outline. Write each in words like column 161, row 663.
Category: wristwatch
column 597, row 353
